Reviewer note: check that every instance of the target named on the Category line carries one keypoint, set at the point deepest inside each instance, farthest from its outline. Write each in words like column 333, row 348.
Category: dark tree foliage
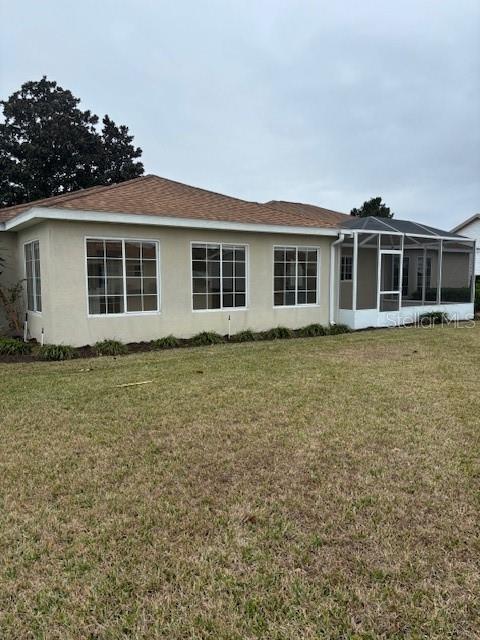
column 49, row 146
column 374, row 207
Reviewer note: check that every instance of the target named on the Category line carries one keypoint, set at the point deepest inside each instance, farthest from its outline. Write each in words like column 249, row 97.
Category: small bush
column 312, row 330
column 337, row 329
column 432, row 317
column 244, row 336
column 477, row 294
column 168, row 342
column 56, row 352
column 12, row 347
column 206, row 337
column 278, row 333
column 110, row 348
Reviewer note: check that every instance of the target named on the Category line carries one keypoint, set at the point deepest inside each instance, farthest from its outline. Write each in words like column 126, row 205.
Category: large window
column 218, row 276
column 295, row 276
column 32, row 276
column 428, row 274
column 122, row 276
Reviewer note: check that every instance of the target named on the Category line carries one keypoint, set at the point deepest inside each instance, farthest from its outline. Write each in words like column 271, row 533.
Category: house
column 471, row 228
column 151, row 257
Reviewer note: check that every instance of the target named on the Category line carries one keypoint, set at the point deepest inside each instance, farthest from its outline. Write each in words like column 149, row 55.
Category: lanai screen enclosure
column 392, row 271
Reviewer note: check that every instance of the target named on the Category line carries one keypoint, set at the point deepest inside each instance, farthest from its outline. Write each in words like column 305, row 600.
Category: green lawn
column 316, row 488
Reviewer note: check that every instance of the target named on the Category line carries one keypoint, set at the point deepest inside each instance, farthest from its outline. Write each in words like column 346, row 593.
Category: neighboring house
column 152, row 257
column 471, row 229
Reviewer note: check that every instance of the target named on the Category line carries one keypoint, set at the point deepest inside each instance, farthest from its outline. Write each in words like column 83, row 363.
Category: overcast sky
column 323, row 102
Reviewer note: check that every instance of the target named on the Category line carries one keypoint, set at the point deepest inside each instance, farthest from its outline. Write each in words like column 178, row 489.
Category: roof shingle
column 152, row 195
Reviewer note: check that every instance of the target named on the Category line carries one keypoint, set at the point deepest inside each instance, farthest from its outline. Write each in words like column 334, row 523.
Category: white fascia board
column 74, row 215
column 411, row 235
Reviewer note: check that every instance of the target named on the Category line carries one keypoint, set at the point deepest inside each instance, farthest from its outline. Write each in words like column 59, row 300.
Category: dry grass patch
column 318, row 488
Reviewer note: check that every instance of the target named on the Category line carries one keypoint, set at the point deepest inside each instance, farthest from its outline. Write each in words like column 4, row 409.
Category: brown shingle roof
column 317, row 214
column 152, row 195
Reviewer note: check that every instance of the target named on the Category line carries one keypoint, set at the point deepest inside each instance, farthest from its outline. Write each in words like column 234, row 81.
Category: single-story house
column 471, row 228
column 150, row 257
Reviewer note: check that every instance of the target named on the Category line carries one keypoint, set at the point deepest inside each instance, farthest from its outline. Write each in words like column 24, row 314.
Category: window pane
column 133, row 268
column 311, row 284
column 227, row 253
column 149, row 250
column 279, row 269
column 240, row 269
column 240, row 299
column 279, row 284
column 38, row 300
column 150, row 303
column 227, row 269
column 134, row 286
column 302, row 255
column 96, row 305
column 115, row 304
column 199, row 301
column 213, row 285
column 213, row 269
column 96, row 267
column 115, row 286
column 302, row 297
column 113, row 249
column 149, row 268
column 312, row 256
column 132, row 250
column 240, row 284
column 199, row 252
column 240, row 254
column 228, row 299
column 213, row 253
column 289, row 297
column 279, row 255
column 278, row 298
column 311, row 297
column 227, row 285
column 199, row 285
column 199, row 269
column 28, row 252
column 213, row 300
column 149, row 286
column 96, row 286
column 290, row 255
column 114, row 267
column 134, row 303
column 95, row 248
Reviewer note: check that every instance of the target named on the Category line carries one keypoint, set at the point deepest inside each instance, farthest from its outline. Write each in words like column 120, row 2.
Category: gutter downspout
column 332, row 301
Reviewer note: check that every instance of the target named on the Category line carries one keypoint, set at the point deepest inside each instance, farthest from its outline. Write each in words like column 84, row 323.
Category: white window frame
column 342, row 258
column 34, row 279
column 211, row 243
column 125, row 313
column 298, row 247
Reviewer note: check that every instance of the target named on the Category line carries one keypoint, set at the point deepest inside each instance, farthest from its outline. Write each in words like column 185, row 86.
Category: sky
column 329, row 103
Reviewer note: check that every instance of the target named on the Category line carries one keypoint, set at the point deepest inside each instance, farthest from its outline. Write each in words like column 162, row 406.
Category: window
column 346, row 268
column 428, row 275
column 218, row 276
column 122, row 276
column 32, row 276
column 295, row 271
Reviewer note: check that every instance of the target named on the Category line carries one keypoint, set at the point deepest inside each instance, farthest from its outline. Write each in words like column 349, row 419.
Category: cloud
column 320, row 102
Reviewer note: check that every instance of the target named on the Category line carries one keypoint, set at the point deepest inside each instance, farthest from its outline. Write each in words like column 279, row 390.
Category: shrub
column 56, row 352
column 337, row 329
column 477, row 294
column 244, row 336
column 12, row 347
column 432, row 317
column 312, row 330
column 278, row 333
column 110, row 348
column 206, row 337
column 168, row 342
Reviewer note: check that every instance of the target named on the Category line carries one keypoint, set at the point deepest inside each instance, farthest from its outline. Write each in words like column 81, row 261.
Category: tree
column 48, row 145
column 373, row 207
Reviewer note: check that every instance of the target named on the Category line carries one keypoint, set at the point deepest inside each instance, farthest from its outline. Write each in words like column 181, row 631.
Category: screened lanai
column 392, row 271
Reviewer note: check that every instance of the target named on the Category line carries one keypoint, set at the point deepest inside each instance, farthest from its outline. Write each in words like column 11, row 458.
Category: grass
column 288, row 490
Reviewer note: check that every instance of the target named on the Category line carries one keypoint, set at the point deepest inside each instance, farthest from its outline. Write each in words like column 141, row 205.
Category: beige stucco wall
column 9, row 275
column 64, row 299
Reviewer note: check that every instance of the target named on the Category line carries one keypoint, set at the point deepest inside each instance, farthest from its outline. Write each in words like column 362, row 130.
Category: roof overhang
column 39, row 214
column 466, row 222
